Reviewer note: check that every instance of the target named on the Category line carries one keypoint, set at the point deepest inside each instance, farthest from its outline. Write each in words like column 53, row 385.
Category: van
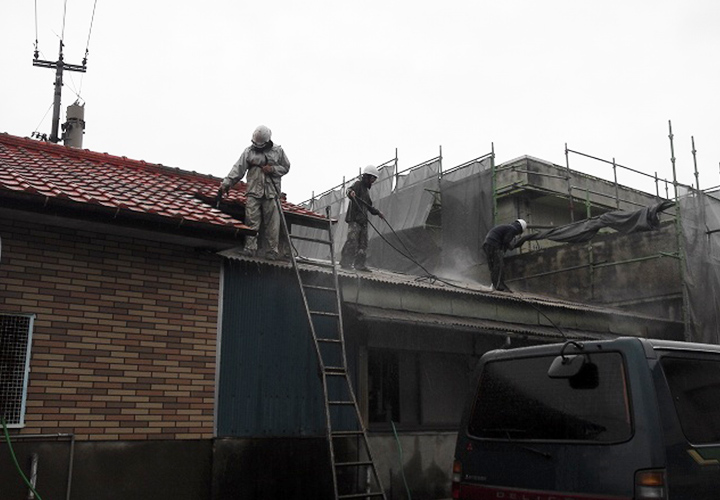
column 627, row 418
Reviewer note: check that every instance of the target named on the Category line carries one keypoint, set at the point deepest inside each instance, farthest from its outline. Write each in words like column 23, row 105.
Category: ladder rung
column 314, row 240
column 324, row 313
column 363, row 495
column 335, row 370
column 318, row 287
column 346, row 433
column 314, row 262
column 347, row 403
column 335, row 341
column 351, row 464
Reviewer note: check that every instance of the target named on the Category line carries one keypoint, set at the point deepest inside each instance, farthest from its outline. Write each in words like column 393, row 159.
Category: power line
column 62, row 34
column 35, row 132
column 36, row 32
column 87, row 45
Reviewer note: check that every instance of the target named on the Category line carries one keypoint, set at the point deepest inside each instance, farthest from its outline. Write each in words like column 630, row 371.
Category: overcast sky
column 344, row 83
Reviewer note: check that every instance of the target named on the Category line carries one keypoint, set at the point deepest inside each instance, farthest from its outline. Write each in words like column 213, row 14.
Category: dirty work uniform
column 262, row 189
column 499, row 240
column 354, row 251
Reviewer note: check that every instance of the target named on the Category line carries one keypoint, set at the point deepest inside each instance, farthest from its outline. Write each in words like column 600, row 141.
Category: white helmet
column 261, row 136
column 371, row 170
column 523, row 224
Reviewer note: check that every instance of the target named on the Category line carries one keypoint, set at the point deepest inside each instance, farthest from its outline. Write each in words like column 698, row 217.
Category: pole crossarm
column 54, row 64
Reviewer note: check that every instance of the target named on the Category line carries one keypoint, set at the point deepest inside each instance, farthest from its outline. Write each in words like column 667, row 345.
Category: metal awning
column 545, row 332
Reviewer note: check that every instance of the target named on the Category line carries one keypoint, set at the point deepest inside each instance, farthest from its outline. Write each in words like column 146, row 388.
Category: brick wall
column 124, row 341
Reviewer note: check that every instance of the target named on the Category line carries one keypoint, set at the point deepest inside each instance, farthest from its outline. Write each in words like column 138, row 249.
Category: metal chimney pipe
column 74, row 127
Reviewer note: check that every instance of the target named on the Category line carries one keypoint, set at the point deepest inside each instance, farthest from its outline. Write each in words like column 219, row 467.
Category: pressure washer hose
column 433, row 277
column 15, row 461
column 402, row 467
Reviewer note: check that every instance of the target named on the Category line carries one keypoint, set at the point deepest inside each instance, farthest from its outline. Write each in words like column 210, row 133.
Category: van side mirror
column 566, row 366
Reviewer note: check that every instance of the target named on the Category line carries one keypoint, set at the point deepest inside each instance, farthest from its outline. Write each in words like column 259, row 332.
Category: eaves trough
column 538, row 332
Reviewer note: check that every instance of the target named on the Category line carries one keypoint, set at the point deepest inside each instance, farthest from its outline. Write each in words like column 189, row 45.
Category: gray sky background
column 344, row 83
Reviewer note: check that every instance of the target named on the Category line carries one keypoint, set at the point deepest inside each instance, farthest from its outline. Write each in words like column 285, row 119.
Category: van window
column 695, row 388
column 516, row 399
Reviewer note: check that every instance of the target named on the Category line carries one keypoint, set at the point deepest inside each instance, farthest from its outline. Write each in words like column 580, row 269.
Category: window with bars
column 15, row 340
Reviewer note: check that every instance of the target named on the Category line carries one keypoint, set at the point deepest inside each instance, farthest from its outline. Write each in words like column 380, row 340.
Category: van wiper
column 524, row 447
column 534, row 450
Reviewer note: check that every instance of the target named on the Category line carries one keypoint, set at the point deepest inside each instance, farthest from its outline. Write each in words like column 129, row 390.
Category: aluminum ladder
column 354, row 472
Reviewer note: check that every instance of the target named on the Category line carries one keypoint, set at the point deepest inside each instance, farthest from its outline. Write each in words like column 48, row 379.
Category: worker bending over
column 265, row 163
column 354, row 252
column 499, row 240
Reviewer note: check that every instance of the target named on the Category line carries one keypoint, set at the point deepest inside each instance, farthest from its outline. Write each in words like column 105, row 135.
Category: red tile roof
column 89, row 178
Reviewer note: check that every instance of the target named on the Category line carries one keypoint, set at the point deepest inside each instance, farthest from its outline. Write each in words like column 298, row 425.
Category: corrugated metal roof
column 440, row 283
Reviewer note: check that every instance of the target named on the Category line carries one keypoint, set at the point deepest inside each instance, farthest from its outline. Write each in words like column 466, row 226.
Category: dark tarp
column 623, row 221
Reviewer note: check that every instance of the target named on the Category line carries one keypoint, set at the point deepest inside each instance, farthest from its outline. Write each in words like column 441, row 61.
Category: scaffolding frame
column 573, row 193
column 609, row 194
column 310, row 203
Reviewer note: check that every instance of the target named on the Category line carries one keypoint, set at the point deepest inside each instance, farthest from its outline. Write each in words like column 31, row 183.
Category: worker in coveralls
column 499, row 240
column 354, row 252
column 265, row 163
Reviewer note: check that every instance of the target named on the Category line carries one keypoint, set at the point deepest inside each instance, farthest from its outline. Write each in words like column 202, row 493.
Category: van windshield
column 695, row 387
column 517, row 400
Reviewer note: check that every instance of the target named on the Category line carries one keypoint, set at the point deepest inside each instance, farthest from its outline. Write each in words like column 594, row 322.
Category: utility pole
column 59, row 66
